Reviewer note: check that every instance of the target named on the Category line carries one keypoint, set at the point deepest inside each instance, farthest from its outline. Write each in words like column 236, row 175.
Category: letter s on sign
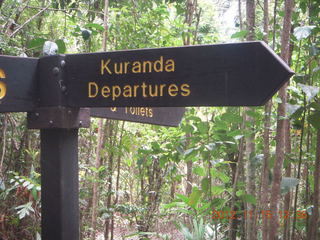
column 3, row 87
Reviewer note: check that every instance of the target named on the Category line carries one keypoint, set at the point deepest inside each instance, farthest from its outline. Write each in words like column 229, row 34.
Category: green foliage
column 210, row 138
column 198, row 231
column 240, row 35
column 24, row 210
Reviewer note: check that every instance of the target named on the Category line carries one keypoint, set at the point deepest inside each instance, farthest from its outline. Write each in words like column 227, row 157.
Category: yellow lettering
column 91, row 93
column 142, row 112
column 113, row 109
column 172, row 90
column 127, row 91
column 105, row 91
column 170, row 65
column 155, row 93
column 158, row 65
column 145, row 64
column 116, row 69
column 161, row 89
column 144, row 86
column 151, row 112
column 185, row 90
column 136, row 67
column 104, row 66
column 116, row 92
column 126, row 67
column 135, row 87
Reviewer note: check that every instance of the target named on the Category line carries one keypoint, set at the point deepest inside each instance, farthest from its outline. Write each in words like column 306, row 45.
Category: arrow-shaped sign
column 236, row 74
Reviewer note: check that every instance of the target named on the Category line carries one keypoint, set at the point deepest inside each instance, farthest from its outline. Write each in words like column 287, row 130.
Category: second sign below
column 159, row 116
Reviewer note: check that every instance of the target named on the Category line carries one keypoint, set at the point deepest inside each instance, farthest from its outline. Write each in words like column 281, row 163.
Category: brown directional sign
column 17, row 84
column 236, row 74
column 158, row 116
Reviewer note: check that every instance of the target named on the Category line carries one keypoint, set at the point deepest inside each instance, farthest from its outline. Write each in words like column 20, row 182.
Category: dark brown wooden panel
column 237, row 74
column 17, row 84
column 158, row 116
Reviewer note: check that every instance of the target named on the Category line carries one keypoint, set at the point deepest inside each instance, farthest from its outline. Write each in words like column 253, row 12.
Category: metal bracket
column 52, row 84
column 59, row 117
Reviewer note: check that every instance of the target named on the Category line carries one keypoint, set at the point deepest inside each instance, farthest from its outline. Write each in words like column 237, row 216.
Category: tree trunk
column 95, row 188
column 281, row 128
column 264, row 196
column 314, row 223
column 250, row 225
column 112, row 137
column 118, row 177
column 233, row 223
column 101, row 134
column 287, row 198
column 189, row 178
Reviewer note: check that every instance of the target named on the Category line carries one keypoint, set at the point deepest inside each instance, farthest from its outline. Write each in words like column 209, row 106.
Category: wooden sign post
column 55, row 89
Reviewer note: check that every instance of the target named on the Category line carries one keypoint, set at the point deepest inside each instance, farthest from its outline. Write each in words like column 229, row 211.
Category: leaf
column 61, row 46
column 202, row 127
column 287, row 184
column 302, row 32
column 231, row 117
column 310, row 91
column 316, row 69
column 240, row 193
column 223, row 177
column 314, row 119
column 24, row 210
column 205, row 184
column 241, row 34
column 34, row 194
column 2, row 186
column 238, row 137
column 194, row 198
column 200, row 171
column 183, row 198
column 36, row 43
column 315, row 106
column 291, row 109
column 216, row 190
column 174, row 205
column 50, row 48
column 210, row 146
column 94, row 26
column 249, row 198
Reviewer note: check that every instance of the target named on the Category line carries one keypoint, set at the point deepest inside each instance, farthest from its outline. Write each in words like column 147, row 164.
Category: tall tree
column 314, row 226
column 281, row 128
column 250, row 144
column 264, row 196
column 101, row 138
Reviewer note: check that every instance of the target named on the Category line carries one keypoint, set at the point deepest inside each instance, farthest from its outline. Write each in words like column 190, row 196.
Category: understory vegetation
column 225, row 173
